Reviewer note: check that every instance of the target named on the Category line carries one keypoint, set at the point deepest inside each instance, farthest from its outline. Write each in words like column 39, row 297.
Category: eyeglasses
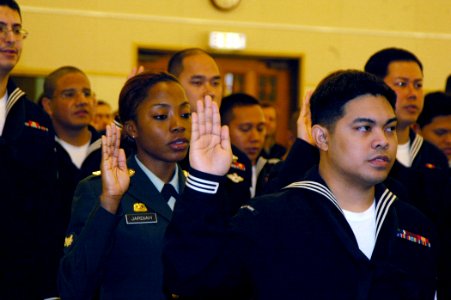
column 17, row 30
column 72, row 94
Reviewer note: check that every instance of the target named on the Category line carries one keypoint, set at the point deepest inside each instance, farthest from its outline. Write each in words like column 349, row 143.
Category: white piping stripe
column 316, row 184
column 316, row 187
column 13, row 98
column 202, row 185
column 381, row 204
column 385, row 204
column 416, row 145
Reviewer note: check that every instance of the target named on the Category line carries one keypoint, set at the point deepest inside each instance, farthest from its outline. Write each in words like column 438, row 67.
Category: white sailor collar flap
column 384, row 199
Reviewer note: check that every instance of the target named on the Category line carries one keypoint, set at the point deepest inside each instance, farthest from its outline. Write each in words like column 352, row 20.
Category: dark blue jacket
column 117, row 256
column 28, row 259
column 295, row 244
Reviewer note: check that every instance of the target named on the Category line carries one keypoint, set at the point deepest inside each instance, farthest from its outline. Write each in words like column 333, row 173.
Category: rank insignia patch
column 238, row 165
column 68, row 240
column 139, row 207
column 235, row 177
column 412, row 237
column 34, row 124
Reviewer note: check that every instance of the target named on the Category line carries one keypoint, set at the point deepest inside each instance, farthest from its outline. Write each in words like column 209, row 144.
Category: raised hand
column 115, row 177
column 304, row 122
column 210, row 150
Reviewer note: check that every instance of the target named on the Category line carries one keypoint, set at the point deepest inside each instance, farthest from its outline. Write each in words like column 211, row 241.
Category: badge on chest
column 141, row 215
column 145, row 218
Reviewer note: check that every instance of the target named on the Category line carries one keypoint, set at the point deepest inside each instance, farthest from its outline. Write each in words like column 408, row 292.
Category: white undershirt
column 403, row 154
column 77, row 153
column 363, row 224
column 3, row 112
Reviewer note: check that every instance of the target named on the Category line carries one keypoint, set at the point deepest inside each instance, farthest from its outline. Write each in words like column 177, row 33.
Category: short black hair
column 52, row 78
column 11, row 4
column 378, row 63
column 175, row 64
column 135, row 91
column 435, row 104
column 333, row 92
column 232, row 101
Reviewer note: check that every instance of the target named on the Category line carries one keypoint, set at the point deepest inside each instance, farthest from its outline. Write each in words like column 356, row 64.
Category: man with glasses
column 27, row 177
column 70, row 103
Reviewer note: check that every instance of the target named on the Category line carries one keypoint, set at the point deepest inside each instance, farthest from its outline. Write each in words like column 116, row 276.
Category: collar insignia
column 68, row 240
column 139, row 207
column 235, row 177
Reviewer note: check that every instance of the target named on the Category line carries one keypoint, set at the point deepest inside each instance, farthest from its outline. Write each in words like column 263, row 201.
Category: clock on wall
column 225, row 5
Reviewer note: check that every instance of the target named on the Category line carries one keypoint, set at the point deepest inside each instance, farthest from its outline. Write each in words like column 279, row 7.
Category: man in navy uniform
column 27, row 177
column 337, row 234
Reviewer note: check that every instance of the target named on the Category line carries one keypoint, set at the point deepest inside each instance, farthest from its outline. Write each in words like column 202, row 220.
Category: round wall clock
column 225, row 5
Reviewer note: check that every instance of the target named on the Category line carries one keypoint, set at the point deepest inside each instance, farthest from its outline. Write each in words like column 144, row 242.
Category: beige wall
column 102, row 36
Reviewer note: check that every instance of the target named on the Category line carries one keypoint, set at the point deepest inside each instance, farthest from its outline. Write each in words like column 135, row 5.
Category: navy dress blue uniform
column 237, row 183
column 295, row 244
column 426, row 185
column 118, row 256
column 69, row 175
column 27, row 183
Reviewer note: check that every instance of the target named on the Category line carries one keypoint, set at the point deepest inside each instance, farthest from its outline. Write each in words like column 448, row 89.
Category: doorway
column 273, row 79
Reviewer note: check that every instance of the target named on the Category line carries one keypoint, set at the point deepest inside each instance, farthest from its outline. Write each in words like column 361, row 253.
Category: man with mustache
column 70, row 103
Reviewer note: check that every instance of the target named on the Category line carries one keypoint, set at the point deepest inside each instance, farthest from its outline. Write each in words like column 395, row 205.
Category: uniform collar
column 383, row 196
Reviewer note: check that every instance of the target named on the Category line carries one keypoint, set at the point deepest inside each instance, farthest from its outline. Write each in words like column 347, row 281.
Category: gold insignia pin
column 68, row 240
column 185, row 173
column 139, row 207
column 235, row 177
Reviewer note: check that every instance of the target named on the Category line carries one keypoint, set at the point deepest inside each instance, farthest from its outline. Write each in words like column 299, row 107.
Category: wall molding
column 236, row 24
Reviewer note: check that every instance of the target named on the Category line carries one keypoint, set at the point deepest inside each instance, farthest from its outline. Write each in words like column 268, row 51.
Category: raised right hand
column 115, row 177
column 210, row 150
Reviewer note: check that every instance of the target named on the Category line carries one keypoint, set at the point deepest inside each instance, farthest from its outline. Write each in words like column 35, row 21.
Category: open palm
column 115, row 177
column 210, row 150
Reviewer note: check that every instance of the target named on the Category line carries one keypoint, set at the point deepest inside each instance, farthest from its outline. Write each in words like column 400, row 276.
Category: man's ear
column 130, row 129
column 320, row 136
column 47, row 106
